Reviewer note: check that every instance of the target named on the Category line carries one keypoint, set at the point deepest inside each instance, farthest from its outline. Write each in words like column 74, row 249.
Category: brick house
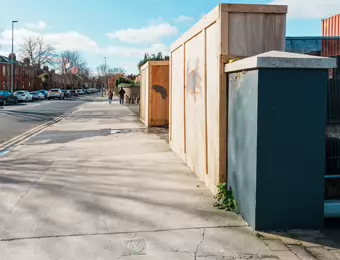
column 25, row 76
column 4, row 73
column 29, row 78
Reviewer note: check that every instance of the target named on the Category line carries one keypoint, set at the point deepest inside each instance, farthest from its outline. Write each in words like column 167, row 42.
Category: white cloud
column 150, row 34
column 312, row 9
column 4, row 53
column 78, row 42
column 183, row 19
column 127, row 56
column 36, row 26
column 61, row 41
column 127, row 52
column 73, row 41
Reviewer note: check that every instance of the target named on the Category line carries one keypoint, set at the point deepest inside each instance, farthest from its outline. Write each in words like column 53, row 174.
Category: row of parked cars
column 7, row 97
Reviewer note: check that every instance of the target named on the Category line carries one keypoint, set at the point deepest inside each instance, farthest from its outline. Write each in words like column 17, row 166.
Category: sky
column 123, row 30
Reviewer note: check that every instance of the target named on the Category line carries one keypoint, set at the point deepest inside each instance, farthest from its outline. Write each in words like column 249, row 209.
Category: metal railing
column 327, row 47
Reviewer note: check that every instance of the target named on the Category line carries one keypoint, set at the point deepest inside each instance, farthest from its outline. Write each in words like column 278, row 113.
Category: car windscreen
column 55, row 90
column 19, row 92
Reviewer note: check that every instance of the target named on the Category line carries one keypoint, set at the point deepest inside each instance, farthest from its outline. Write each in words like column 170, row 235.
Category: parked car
column 44, row 92
column 56, row 93
column 7, row 97
column 74, row 93
column 23, row 95
column 30, row 96
column 37, row 95
column 67, row 93
column 88, row 91
column 80, row 92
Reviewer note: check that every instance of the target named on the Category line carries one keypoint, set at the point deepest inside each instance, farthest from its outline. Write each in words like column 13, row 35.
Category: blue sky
column 123, row 30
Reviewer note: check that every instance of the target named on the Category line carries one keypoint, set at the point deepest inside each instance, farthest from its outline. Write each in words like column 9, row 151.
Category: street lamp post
column 104, row 76
column 12, row 58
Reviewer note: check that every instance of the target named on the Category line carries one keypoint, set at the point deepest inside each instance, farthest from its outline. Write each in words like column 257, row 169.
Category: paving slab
column 287, row 255
column 233, row 243
column 301, row 252
column 322, row 253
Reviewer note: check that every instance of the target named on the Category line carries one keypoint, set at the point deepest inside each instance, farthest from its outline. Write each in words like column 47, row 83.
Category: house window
column 4, row 70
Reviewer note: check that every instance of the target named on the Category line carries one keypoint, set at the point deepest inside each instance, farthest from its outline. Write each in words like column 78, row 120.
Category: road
column 16, row 120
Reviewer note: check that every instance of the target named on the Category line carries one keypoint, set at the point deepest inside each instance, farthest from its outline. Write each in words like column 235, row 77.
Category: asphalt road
column 18, row 119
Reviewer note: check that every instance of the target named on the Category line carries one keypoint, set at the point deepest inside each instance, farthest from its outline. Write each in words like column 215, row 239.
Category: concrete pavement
column 80, row 190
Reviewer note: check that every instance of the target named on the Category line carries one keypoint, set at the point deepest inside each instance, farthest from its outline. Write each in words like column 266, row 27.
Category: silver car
column 56, row 93
column 37, row 95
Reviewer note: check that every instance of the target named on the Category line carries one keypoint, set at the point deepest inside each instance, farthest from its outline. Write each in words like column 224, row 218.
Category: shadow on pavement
column 32, row 116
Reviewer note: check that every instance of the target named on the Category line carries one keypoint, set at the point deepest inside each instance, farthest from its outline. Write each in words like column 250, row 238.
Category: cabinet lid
column 280, row 59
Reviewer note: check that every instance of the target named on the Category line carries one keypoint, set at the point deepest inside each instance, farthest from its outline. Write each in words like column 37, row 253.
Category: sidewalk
column 82, row 190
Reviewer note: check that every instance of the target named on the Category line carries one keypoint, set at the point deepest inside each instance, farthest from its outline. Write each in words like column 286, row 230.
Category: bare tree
column 39, row 53
column 115, row 71
column 81, row 70
column 111, row 74
column 109, row 71
column 101, row 69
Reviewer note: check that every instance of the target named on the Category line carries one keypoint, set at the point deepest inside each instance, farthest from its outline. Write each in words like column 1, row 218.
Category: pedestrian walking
column 110, row 95
column 121, row 96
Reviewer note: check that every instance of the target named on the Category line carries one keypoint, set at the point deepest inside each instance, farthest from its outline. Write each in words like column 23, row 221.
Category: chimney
column 10, row 56
column 27, row 62
column 45, row 68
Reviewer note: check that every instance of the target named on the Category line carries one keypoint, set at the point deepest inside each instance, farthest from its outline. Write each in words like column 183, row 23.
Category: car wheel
column 15, row 101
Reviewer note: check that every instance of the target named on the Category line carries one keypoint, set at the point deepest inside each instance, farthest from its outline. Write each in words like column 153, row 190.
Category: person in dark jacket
column 121, row 96
column 110, row 96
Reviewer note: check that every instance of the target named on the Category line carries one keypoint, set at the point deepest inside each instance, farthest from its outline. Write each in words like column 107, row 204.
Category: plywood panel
column 248, row 8
column 195, row 105
column 147, row 86
column 177, row 106
column 229, row 31
column 205, row 22
column 254, row 33
column 159, row 92
column 213, row 88
column 143, row 102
